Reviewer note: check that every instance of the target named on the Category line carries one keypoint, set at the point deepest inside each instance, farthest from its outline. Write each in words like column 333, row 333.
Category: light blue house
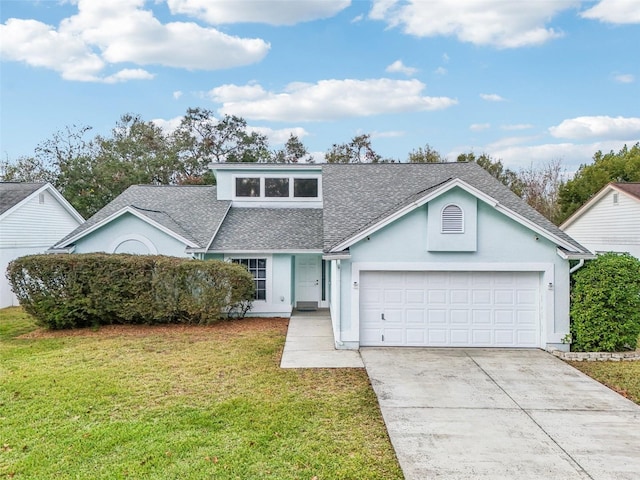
column 402, row 254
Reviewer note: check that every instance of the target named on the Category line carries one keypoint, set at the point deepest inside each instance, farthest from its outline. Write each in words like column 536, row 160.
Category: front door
column 308, row 278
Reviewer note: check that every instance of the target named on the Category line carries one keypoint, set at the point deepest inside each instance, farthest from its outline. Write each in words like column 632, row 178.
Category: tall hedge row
column 67, row 291
column 605, row 304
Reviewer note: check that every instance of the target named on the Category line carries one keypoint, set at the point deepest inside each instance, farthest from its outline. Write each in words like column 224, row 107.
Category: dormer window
column 452, row 219
column 277, row 187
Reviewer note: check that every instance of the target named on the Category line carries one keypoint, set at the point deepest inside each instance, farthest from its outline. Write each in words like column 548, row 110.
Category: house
column 33, row 216
column 609, row 221
column 401, row 254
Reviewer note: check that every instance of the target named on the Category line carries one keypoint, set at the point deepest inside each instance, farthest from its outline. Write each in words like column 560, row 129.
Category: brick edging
column 597, row 356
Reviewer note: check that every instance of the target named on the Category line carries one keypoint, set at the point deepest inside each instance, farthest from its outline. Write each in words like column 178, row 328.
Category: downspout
column 577, row 266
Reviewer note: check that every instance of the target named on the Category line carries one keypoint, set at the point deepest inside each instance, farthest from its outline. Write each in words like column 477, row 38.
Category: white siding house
column 610, row 221
column 33, row 216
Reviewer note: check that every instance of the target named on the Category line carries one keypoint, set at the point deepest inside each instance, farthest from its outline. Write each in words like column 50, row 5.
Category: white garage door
column 460, row 309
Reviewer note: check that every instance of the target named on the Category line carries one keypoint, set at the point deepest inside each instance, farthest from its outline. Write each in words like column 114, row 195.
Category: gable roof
column 252, row 229
column 630, row 189
column 359, row 197
column 13, row 194
column 191, row 213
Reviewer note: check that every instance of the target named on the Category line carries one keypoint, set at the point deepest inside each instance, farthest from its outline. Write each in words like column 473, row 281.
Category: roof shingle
column 12, row 193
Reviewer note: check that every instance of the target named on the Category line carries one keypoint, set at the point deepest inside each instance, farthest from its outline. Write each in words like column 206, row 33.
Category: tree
column 540, row 186
column 496, row 169
column 358, row 150
column 201, row 139
column 623, row 166
column 294, row 151
column 426, row 155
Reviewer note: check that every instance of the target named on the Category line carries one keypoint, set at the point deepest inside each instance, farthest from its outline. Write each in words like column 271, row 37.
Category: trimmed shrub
column 605, row 304
column 67, row 291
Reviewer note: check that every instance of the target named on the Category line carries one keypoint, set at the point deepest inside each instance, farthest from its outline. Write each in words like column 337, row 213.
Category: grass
column 623, row 377
column 180, row 403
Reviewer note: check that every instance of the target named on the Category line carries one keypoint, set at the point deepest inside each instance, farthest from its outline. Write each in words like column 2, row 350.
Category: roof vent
column 452, row 220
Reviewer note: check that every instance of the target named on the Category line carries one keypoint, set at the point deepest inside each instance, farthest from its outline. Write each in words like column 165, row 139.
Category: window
column 305, row 187
column 258, row 268
column 276, row 187
column 248, row 187
column 452, row 221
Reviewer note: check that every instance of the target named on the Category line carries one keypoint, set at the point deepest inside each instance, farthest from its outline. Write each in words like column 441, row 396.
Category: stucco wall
column 502, row 243
column 127, row 227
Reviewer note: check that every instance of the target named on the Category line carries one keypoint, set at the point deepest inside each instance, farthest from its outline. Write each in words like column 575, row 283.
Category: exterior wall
column 448, row 242
column 609, row 227
column 225, row 180
column 127, row 228
column 279, row 299
column 36, row 224
column 30, row 229
column 503, row 244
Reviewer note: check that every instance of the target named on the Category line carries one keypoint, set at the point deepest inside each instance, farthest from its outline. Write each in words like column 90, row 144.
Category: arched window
column 452, row 219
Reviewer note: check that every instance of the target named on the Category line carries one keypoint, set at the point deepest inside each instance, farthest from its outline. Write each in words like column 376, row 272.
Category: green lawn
column 180, row 403
column 623, row 377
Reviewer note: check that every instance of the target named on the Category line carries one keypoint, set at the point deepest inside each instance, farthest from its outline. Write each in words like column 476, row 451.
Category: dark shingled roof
column 191, row 211
column 12, row 193
column 630, row 188
column 270, row 229
column 357, row 196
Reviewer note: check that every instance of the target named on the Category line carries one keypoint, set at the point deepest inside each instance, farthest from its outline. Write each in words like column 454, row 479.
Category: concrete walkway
column 309, row 344
column 501, row 414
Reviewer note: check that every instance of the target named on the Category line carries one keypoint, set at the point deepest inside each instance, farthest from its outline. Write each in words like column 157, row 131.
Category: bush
column 605, row 304
column 67, row 291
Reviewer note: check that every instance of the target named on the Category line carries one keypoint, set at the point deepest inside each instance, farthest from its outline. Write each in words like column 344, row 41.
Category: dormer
column 269, row 185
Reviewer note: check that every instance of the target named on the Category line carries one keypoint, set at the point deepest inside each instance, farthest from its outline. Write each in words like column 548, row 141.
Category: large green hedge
column 67, row 291
column 605, row 304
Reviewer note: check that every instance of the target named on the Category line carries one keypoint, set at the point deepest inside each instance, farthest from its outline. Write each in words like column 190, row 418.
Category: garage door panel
column 480, row 309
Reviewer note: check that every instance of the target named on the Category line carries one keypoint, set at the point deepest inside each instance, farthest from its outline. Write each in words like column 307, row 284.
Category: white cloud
column 177, row 94
column 168, row 125
column 481, row 22
column 400, row 67
column 129, row 74
column 624, row 78
column 327, row 99
column 388, row 134
column 445, row 58
column 478, row 127
column 357, row 18
column 279, row 136
column 275, row 136
column 605, row 127
column 517, row 126
column 491, row 97
column 614, row 11
column 121, row 31
column 272, row 12
column 440, row 71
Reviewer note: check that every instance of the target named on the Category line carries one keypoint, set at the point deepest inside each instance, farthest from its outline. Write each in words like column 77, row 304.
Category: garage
column 450, row 308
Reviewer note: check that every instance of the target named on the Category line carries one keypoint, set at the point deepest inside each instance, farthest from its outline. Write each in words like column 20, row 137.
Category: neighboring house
column 402, row 254
column 33, row 216
column 610, row 221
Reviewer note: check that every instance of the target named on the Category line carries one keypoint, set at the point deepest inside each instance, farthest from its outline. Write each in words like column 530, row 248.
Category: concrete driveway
column 501, row 414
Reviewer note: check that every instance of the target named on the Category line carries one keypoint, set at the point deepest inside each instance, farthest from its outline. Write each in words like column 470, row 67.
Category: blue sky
column 526, row 82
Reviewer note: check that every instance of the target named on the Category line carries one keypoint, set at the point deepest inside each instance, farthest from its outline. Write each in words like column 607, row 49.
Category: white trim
column 441, row 190
column 574, row 256
column 136, row 237
column 461, row 231
column 337, row 256
column 547, row 295
column 257, row 252
column 290, row 198
column 55, row 193
column 269, row 278
column 265, row 166
column 592, row 201
column 218, row 227
column 136, row 213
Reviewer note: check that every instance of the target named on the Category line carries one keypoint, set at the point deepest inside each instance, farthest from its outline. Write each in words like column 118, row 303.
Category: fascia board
column 137, row 214
column 590, row 203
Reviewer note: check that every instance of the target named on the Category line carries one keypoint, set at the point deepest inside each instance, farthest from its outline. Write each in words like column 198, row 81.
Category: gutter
column 577, row 266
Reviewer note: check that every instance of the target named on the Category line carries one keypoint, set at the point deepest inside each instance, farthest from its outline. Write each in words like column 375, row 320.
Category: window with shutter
column 452, row 219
